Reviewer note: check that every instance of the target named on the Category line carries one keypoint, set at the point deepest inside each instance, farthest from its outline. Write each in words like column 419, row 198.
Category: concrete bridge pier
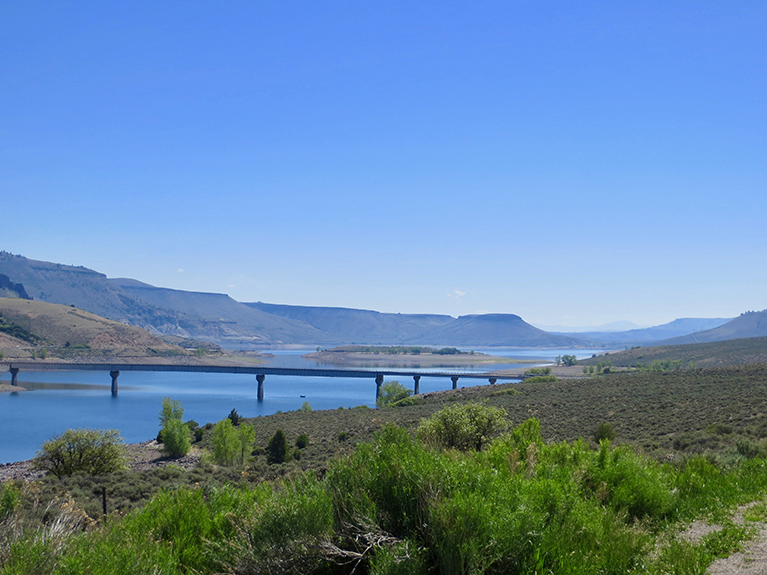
column 260, row 379
column 14, row 375
column 455, row 381
column 379, row 381
column 115, row 374
column 492, row 380
column 417, row 384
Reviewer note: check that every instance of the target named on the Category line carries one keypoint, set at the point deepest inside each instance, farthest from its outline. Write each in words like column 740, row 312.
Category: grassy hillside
column 40, row 329
column 715, row 354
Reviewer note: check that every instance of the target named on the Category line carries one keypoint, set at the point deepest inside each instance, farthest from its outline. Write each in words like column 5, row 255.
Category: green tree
column 176, row 438
column 91, row 451
column 391, row 392
column 465, row 427
column 234, row 417
column 171, row 409
column 569, row 359
column 277, row 449
column 246, row 435
column 226, row 443
column 306, row 406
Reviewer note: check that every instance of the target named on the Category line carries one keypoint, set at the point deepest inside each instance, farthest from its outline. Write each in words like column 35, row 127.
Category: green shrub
column 234, row 417
column 604, row 431
column 343, row 436
column 231, row 445
column 91, row 451
column 302, row 441
column 277, row 448
column 466, row 426
column 392, row 392
column 175, row 438
column 305, row 406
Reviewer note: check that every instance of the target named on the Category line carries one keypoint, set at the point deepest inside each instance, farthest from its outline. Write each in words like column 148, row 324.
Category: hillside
column 223, row 320
column 345, row 325
column 731, row 352
column 643, row 336
column 494, row 330
column 87, row 289
column 749, row 324
column 66, row 331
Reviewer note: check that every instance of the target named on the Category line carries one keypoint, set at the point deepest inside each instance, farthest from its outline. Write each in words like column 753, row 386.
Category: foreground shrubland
column 400, row 505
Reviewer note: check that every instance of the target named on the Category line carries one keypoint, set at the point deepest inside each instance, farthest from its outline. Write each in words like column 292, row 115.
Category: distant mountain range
column 219, row 319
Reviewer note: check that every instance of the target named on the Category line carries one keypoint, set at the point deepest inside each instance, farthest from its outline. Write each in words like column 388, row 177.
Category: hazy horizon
column 575, row 165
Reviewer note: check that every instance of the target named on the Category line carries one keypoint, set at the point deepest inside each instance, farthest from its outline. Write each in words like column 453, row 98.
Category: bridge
column 377, row 375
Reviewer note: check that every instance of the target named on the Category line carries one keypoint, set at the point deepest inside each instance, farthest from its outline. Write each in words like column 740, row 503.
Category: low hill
column 31, row 326
column 731, row 352
column 346, row 325
column 495, row 330
column 749, row 324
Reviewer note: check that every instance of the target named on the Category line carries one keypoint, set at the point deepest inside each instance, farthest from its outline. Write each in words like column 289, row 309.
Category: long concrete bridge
column 377, row 375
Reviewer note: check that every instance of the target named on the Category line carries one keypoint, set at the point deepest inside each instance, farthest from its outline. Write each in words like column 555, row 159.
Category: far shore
column 367, row 359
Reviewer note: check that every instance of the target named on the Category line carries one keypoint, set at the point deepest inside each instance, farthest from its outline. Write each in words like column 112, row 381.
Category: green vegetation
column 538, row 371
column 541, row 379
column 566, row 360
column 466, row 427
column 175, row 434
column 232, row 445
column 398, row 505
column 731, row 352
column 277, row 449
column 90, row 451
column 13, row 329
column 368, row 495
column 392, row 392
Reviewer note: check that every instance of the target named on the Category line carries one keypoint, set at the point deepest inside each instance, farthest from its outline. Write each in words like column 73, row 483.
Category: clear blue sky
column 574, row 163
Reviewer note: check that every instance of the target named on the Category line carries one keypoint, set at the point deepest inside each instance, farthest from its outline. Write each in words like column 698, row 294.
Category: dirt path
column 751, row 561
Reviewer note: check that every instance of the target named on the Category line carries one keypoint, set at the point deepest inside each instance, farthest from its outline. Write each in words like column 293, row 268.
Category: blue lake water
column 61, row 400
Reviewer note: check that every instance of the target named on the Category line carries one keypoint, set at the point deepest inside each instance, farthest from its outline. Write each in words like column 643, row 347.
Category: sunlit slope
column 58, row 327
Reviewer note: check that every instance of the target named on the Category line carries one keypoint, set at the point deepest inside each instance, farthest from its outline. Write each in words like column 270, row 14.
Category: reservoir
column 57, row 401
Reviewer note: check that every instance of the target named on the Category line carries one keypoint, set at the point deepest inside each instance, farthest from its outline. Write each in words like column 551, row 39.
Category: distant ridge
column 497, row 329
column 748, row 324
column 648, row 335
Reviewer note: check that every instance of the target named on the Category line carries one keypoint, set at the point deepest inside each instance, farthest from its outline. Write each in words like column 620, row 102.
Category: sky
column 574, row 163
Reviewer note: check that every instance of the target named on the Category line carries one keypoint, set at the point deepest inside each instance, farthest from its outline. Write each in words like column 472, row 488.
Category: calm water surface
column 61, row 400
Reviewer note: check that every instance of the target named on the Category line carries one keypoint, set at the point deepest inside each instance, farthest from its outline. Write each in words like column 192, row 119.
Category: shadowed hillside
column 749, row 324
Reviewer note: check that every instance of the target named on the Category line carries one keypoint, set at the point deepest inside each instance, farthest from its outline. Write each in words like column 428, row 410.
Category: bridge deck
column 254, row 370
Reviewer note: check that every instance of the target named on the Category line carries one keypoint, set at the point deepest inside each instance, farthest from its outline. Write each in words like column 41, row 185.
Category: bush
column 91, row 451
column 541, row 379
column 277, row 448
column 343, row 436
column 466, row 427
column 175, row 438
column 302, row 441
column 306, row 406
column 392, row 392
column 230, row 444
column 604, row 431
column 234, row 417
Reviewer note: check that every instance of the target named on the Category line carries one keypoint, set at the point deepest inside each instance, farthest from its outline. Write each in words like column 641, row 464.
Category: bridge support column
column 379, row 381
column 14, row 375
column 417, row 384
column 260, row 379
column 115, row 374
column 455, row 381
column 492, row 380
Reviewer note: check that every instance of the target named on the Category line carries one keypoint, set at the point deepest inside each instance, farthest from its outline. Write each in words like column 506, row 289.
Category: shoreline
column 367, row 359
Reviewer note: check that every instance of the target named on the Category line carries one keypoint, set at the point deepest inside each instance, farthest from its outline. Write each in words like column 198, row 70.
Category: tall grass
column 396, row 506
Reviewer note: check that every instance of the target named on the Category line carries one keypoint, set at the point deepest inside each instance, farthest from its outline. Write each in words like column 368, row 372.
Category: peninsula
column 405, row 356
